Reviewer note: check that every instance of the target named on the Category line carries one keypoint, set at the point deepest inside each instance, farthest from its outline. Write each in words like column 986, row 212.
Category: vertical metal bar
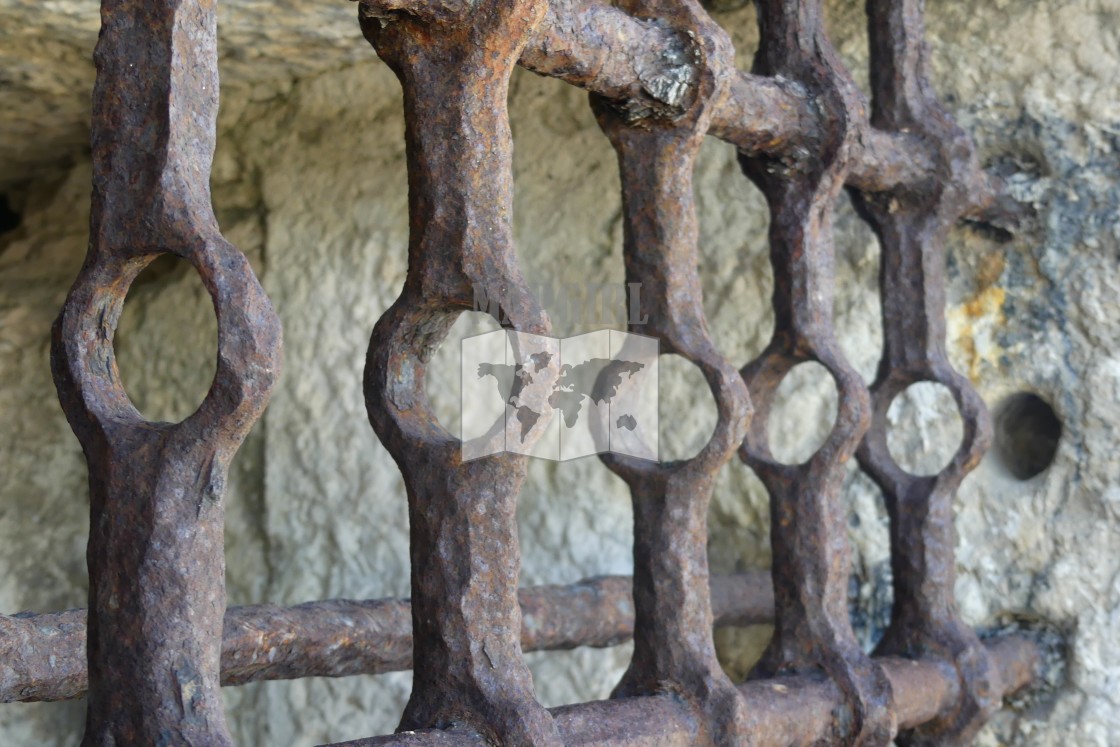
column 155, row 556
column 912, row 225
column 454, row 64
column 811, row 557
column 673, row 647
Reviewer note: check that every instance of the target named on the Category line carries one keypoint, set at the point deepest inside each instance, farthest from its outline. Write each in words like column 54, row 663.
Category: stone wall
column 309, row 181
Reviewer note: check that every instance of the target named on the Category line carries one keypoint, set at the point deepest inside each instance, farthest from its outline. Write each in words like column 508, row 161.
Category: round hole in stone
column 803, row 413
column 166, row 343
column 445, row 370
column 924, row 428
column 1027, row 432
column 687, row 412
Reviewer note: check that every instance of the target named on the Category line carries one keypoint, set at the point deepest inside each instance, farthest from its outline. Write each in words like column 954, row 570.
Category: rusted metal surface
column 809, row 531
column 673, row 647
column 794, row 710
column 634, row 62
column 155, row 554
column 637, row 63
column 912, row 224
column 42, row 657
column 454, row 64
column 662, row 76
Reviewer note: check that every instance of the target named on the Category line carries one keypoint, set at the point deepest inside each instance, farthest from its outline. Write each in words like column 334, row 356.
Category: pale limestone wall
column 310, row 182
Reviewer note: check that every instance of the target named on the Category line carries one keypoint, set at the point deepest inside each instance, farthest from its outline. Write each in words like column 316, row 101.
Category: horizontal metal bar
column 786, row 710
column 43, row 656
column 595, row 46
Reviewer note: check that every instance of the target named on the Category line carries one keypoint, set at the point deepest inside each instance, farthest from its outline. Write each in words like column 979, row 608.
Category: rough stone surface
column 309, row 181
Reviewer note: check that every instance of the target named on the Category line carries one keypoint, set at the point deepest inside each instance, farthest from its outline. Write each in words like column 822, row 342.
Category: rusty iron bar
column 809, row 528
column 155, row 553
column 42, row 657
column 673, row 646
column 792, row 710
column 912, row 225
column 454, row 61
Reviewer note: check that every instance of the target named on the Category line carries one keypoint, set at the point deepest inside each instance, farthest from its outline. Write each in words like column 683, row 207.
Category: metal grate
column 662, row 78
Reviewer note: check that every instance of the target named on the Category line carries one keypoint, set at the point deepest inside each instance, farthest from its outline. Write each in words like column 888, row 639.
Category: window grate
column 159, row 641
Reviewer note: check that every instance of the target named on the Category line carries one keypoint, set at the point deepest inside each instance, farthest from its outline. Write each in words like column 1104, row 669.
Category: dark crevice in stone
column 10, row 219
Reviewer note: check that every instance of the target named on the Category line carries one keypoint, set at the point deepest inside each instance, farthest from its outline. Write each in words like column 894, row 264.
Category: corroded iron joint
column 696, row 92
